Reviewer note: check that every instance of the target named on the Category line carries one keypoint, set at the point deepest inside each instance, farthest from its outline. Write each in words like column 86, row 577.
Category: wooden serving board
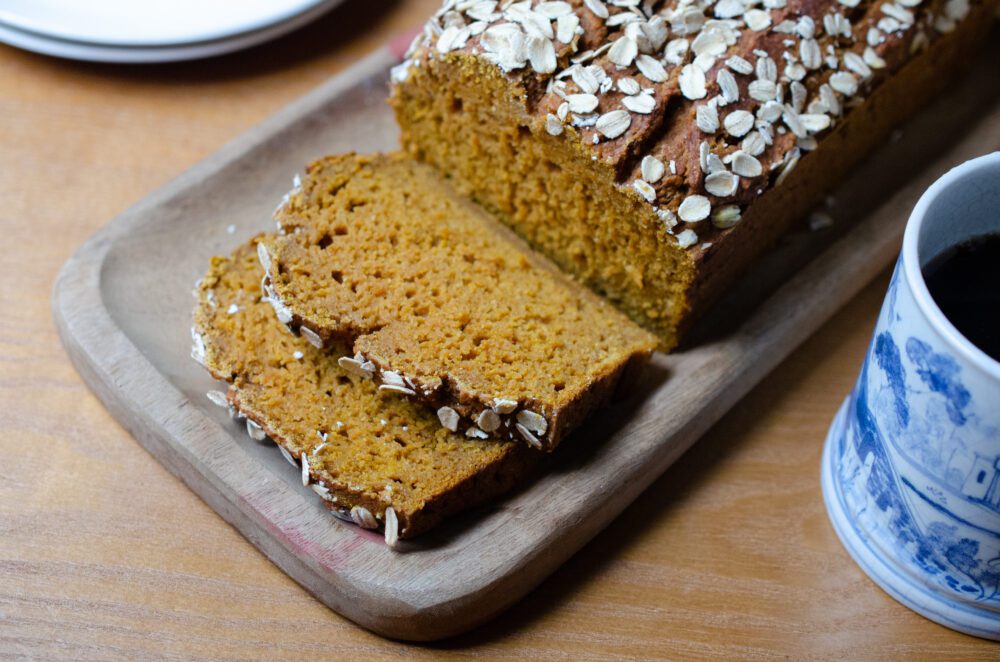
column 123, row 308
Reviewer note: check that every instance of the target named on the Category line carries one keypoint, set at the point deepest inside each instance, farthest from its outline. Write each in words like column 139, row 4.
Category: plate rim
column 112, row 54
column 35, row 25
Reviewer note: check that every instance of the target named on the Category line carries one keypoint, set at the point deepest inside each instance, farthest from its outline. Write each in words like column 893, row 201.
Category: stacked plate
column 150, row 30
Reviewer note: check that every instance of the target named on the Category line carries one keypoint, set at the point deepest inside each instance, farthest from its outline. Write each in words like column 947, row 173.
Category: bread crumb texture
column 365, row 452
column 440, row 303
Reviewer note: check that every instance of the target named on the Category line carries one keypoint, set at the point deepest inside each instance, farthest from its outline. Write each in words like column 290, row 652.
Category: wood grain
column 104, row 554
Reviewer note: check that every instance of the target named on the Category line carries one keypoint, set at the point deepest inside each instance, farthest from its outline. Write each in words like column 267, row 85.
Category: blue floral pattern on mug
column 916, row 469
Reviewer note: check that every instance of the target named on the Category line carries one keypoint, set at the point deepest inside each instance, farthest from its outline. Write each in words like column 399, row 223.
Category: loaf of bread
column 381, row 462
column 650, row 149
column 654, row 149
column 440, row 303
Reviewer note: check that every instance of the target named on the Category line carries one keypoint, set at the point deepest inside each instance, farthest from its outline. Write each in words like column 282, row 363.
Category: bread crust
column 783, row 207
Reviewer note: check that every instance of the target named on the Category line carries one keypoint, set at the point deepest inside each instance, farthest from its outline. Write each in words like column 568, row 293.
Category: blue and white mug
column 911, row 467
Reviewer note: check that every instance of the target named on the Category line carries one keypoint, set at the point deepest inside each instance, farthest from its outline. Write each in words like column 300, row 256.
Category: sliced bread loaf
column 654, row 150
column 381, row 462
column 440, row 303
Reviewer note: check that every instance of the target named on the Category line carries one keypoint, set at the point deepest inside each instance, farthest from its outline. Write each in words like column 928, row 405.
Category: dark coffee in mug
column 965, row 284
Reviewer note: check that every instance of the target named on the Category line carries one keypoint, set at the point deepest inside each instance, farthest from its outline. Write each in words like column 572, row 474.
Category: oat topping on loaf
column 375, row 461
column 440, row 303
column 766, row 77
column 686, row 113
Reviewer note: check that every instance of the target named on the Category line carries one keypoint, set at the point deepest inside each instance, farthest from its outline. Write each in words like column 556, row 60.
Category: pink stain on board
column 399, row 44
column 332, row 556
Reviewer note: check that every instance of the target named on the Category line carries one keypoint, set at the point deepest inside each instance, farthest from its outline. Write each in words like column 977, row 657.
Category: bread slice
column 381, row 462
column 654, row 150
column 440, row 303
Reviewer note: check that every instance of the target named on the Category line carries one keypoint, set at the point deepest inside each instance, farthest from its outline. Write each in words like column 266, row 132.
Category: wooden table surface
column 103, row 553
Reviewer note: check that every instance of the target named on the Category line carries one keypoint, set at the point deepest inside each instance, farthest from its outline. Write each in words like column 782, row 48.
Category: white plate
column 97, row 52
column 147, row 23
